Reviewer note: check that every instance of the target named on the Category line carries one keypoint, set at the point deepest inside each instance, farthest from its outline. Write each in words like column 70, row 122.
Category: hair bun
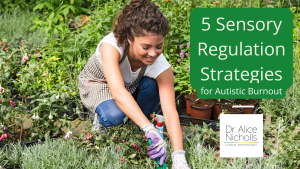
column 138, row 3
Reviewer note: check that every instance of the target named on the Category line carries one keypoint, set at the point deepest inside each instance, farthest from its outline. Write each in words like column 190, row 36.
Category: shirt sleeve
column 110, row 39
column 160, row 65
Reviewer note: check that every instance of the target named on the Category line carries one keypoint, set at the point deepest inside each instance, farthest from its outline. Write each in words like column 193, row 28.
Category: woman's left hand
column 179, row 161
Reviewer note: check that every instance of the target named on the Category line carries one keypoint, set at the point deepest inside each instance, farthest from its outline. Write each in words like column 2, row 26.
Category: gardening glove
column 158, row 147
column 179, row 161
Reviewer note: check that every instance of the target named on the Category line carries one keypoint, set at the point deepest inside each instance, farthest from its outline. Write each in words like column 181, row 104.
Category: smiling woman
column 128, row 75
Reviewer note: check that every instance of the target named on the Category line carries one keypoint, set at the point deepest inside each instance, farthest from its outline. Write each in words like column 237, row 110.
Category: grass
column 66, row 155
column 18, row 22
column 61, row 154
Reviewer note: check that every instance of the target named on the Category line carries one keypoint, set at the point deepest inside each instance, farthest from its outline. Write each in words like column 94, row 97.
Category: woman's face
column 146, row 49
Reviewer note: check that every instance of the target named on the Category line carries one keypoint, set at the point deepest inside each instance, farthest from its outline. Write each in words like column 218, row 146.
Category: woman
column 128, row 76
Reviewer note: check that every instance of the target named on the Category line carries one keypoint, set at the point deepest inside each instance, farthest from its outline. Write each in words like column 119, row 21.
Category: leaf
column 99, row 25
column 48, row 104
column 51, row 15
column 7, row 116
column 132, row 156
column 33, row 134
column 70, row 58
column 33, row 27
column 49, row 5
column 134, row 162
column 125, row 119
column 57, row 86
column 39, row 6
column 3, row 108
column 188, row 131
column 24, row 87
column 34, row 109
column 47, row 137
column 274, row 152
column 191, row 124
column 52, row 98
column 205, row 125
column 33, row 65
column 72, row 8
column 63, row 97
column 177, row 88
column 41, row 135
column 66, row 11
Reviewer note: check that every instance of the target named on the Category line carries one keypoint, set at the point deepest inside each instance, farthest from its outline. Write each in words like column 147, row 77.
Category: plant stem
column 21, row 133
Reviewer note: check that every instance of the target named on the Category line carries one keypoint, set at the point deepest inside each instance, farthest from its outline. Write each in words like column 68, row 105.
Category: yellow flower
column 168, row 0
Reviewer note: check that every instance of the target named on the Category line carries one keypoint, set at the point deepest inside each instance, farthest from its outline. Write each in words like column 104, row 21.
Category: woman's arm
column 167, row 99
column 124, row 100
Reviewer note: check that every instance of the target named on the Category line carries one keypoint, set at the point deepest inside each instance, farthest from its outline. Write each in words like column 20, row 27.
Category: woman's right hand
column 158, row 147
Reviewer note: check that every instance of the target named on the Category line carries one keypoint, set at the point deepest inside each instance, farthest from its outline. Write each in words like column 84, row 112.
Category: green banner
column 241, row 53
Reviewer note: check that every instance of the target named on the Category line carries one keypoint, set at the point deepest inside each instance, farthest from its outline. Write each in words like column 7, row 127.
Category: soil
column 231, row 110
column 14, row 137
column 223, row 101
column 202, row 103
column 246, row 102
column 192, row 96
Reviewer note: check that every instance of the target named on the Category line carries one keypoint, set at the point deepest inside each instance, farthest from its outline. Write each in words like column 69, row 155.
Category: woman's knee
column 117, row 119
column 110, row 114
column 149, row 84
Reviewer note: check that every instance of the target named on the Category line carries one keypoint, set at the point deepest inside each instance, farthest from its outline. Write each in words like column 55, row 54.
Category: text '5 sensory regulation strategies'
column 241, row 52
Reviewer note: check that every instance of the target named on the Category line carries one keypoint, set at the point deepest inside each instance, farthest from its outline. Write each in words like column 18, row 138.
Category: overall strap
column 124, row 54
column 142, row 72
column 143, row 69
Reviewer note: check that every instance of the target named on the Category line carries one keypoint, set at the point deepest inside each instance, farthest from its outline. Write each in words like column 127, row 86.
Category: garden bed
column 186, row 119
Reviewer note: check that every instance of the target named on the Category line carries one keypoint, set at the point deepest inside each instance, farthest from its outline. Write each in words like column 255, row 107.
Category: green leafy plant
column 282, row 140
column 127, row 136
column 60, row 10
column 182, row 71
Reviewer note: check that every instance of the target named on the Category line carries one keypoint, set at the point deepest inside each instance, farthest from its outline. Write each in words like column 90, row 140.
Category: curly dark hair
column 139, row 18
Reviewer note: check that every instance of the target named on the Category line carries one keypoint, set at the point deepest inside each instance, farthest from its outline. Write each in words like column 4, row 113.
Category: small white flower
column 45, row 101
column 37, row 117
column 50, row 117
column 69, row 133
column 33, row 117
column 57, row 97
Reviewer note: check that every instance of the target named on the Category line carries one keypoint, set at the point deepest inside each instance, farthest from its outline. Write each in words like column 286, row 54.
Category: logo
column 241, row 135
